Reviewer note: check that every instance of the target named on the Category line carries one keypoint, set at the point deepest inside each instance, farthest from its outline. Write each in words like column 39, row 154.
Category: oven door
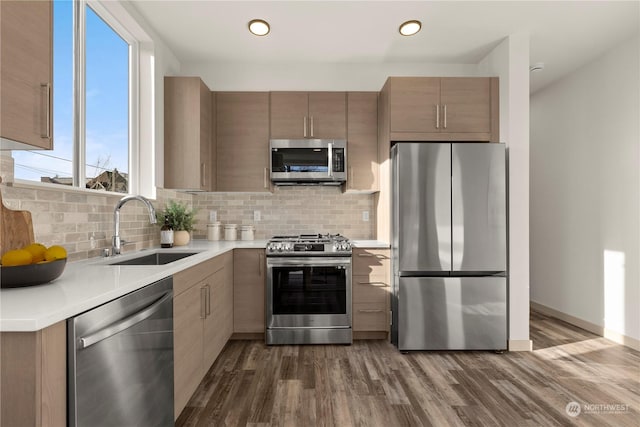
column 308, row 292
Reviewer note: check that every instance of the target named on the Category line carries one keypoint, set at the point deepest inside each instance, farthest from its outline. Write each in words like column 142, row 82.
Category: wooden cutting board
column 16, row 228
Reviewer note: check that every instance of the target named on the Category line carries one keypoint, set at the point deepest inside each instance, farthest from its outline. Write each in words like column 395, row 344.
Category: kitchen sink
column 158, row 258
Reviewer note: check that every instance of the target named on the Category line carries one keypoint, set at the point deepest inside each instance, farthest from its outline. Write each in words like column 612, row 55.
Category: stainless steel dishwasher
column 121, row 360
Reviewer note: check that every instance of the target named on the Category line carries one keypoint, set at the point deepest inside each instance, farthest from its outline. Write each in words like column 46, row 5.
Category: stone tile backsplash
column 290, row 210
column 82, row 222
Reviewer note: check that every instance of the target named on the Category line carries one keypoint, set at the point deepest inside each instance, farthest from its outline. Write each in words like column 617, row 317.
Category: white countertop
column 377, row 244
column 89, row 283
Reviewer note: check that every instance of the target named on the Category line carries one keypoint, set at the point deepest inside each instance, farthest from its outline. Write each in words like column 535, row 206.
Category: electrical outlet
column 365, row 215
column 213, row 216
column 256, row 215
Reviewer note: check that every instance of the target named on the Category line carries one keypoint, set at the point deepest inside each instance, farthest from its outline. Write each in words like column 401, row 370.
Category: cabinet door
column 242, row 138
column 414, row 104
column 289, row 111
column 26, row 73
column 226, row 300
column 215, row 311
column 248, row 290
column 327, row 115
column 362, row 140
column 187, row 133
column 188, row 312
column 205, row 137
column 466, row 104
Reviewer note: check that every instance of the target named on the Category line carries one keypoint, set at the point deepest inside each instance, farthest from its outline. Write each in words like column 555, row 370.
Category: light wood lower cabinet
column 33, row 371
column 202, row 323
column 371, row 292
column 248, row 290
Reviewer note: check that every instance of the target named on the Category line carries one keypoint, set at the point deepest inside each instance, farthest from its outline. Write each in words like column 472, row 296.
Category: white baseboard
column 614, row 336
column 520, row 345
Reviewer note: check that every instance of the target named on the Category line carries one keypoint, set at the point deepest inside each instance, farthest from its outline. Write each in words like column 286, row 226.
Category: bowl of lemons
column 32, row 265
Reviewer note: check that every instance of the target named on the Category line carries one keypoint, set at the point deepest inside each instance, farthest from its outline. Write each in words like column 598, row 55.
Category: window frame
column 79, row 93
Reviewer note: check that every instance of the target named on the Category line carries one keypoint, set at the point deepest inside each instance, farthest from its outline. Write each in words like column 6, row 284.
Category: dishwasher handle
column 123, row 324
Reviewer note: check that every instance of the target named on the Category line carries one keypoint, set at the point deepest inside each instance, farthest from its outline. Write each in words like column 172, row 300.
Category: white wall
column 314, row 76
column 585, row 193
column 156, row 61
column 510, row 61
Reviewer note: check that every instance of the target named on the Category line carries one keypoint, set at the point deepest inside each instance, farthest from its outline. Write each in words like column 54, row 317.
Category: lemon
column 37, row 251
column 16, row 257
column 55, row 252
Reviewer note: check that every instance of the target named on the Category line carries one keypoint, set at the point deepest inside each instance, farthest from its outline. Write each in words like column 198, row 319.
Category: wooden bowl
column 31, row 275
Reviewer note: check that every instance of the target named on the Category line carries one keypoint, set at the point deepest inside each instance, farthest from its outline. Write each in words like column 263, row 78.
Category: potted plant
column 181, row 219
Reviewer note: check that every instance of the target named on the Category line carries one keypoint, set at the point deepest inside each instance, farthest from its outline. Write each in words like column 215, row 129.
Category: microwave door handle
column 330, row 155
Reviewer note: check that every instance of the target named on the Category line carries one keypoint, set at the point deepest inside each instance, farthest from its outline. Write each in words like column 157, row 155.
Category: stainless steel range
column 309, row 289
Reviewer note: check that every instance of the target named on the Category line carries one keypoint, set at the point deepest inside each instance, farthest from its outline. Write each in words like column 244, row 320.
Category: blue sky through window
column 107, row 101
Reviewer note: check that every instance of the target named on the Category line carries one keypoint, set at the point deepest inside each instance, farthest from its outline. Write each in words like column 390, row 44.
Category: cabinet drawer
column 371, row 262
column 185, row 279
column 370, row 317
column 371, row 289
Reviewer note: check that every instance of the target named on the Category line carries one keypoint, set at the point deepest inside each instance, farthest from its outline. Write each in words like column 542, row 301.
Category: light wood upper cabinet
column 187, row 134
column 362, row 141
column 242, row 139
column 248, row 290
column 26, row 74
column 298, row 115
column 443, row 109
column 414, row 103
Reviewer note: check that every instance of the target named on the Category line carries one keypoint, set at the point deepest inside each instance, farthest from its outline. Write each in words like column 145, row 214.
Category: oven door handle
column 308, row 262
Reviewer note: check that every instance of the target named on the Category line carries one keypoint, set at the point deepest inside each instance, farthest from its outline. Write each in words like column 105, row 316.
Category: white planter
column 181, row 238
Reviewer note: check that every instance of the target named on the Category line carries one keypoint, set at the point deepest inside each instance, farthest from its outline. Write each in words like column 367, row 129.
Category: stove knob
column 279, row 247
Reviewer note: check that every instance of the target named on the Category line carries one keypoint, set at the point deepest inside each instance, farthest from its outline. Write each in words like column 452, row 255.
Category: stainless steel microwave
column 308, row 161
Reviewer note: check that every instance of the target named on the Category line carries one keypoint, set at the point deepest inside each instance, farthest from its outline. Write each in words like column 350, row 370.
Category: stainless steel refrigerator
column 449, row 246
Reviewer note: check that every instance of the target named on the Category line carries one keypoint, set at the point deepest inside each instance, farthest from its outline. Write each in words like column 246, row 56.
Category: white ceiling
column 564, row 34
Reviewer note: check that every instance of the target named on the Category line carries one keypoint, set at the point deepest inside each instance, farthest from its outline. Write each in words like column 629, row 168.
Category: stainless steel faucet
column 117, row 242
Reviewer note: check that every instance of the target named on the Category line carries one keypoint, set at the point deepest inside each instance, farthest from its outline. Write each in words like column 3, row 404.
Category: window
column 93, row 118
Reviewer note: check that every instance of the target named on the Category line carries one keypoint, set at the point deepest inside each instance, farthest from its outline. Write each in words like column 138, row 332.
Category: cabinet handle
column 304, row 126
column 437, row 116
column 203, row 174
column 366, row 255
column 376, row 284
column 369, row 311
column 444, row 107
column 208, row 312
column 312, row 126
column 47, row 131
column 266, row 182
column 259, row 264
column 203, row 302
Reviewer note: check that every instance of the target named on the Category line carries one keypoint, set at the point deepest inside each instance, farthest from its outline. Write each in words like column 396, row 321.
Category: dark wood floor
column 371, row 384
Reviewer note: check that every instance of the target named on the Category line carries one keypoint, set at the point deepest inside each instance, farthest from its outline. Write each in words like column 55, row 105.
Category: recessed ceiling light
column 259, row 27
column 409, row 28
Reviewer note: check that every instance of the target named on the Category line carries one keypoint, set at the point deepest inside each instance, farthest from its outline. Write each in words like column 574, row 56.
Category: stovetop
column 309, row 245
